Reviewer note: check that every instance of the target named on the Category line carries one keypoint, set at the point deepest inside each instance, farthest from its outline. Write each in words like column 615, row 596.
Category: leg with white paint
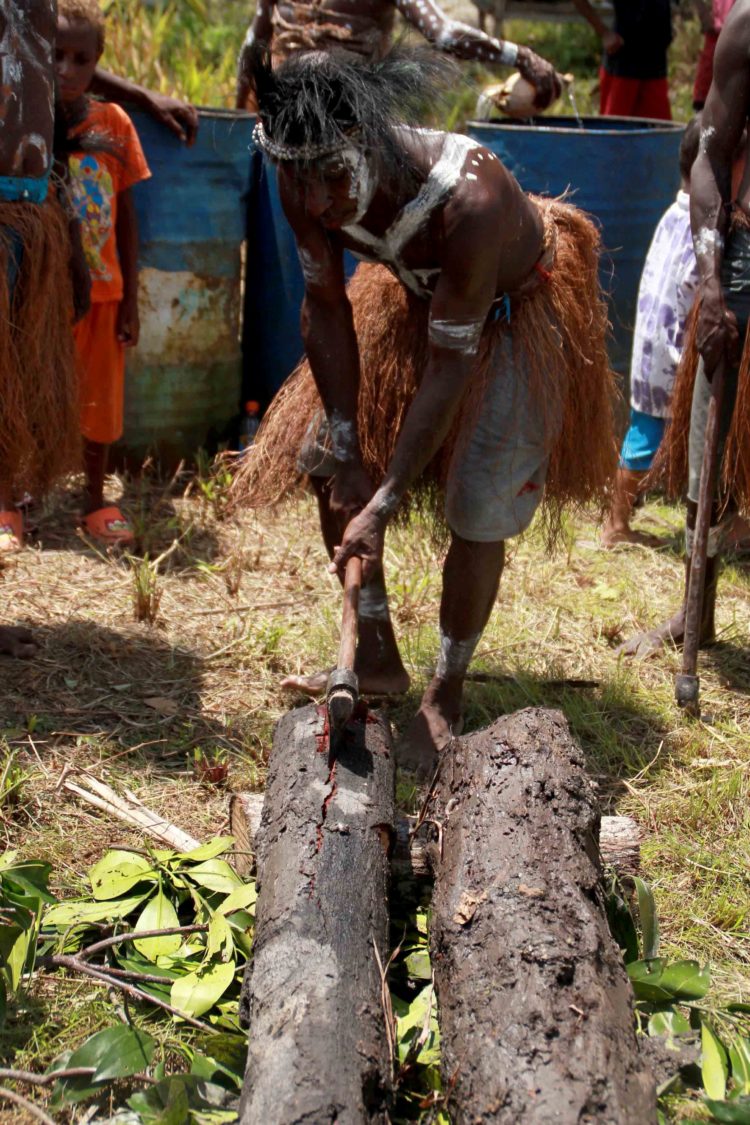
column 471, row 576
column 378, row 663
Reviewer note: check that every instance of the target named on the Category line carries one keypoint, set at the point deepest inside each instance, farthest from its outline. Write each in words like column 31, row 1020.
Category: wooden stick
column 686, row 684
column 24, row 1103
column 352, row 586
column 131, row 812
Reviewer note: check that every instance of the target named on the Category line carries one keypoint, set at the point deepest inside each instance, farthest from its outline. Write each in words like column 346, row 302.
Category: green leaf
column 219, row 937
column 418, row 964
column 158, row 914
column 668, row 1022
column 713, row 1063
column 170, row 1101
column 739, row 1058
column 16, row 943
column 730, row 1113
column 117, row 872
column 196, row 992
column 214, row 875
column 115, row 1052
column 686, row 979
column 661, row 981
column 217, row 846
column 621, row 924
column 239, row 899
column 648, row 919
column 83, row 913
column 3, row 1002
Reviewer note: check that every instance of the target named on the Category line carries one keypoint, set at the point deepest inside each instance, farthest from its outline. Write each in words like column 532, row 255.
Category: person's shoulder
column 115, row 117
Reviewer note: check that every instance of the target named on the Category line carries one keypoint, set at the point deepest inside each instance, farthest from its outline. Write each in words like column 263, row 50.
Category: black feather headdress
column 316, row 103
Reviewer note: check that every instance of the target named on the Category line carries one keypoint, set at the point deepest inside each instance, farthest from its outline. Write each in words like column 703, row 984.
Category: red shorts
column 634, row 97
column 705, row 70
column 101, row 371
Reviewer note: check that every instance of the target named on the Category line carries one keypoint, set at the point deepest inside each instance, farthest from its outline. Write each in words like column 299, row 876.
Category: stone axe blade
column 342, row 691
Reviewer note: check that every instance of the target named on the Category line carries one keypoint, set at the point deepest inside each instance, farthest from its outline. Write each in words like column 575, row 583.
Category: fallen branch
column 136, row 935
column 65, row 961
column 33, row 1079
column 24, row 1103
column 129, row 810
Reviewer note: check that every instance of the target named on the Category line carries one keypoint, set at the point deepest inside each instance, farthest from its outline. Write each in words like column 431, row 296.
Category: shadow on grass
column 127, row 689
column 617, row 727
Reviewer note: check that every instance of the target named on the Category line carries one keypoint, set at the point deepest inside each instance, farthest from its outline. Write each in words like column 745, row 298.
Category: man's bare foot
column 436, row 723
column 17, row 641
column 614, row 536
column 670, row 634
column 370, row 683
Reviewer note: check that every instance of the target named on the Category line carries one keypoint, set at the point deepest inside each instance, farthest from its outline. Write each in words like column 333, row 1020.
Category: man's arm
column 722, row 123
column 611, row 41
column 259, row 31
column 178, row 116
column 458, row 311
column 469, row 43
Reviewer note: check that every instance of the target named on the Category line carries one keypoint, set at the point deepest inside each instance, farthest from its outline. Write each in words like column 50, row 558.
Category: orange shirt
column 96, row 179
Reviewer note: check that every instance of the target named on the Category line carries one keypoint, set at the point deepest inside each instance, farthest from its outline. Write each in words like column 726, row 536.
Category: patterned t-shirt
column 668, row 288
column 96, row 179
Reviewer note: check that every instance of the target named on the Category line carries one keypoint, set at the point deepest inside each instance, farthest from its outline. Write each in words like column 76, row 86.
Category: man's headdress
column 317, row 103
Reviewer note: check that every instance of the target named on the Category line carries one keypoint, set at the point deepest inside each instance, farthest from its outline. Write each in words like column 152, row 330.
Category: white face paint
column 361, row 180
column 455, row 656
column 707, row 242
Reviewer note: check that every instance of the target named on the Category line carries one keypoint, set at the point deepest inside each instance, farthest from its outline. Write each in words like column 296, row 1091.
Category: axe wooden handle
column 352, row 586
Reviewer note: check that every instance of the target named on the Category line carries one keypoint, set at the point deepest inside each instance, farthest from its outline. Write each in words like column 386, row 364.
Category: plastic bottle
column 249, row 425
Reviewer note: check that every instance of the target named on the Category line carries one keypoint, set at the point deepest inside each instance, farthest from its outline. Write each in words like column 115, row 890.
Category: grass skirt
column 39, row 411
column 670, row 468
column 560, row 329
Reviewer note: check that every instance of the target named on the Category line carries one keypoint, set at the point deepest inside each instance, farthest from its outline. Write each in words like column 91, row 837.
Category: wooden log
column 318, row 1046
column 535, row 1008
column 619, row 841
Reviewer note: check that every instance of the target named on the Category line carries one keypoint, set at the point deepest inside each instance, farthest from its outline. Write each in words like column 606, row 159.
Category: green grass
column 95, row 698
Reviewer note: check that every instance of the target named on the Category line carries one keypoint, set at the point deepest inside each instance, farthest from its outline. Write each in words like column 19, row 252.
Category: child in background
column 100, row 185
column 668, row 287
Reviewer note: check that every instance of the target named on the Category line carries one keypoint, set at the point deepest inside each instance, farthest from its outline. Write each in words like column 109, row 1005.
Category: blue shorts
column 641, row 441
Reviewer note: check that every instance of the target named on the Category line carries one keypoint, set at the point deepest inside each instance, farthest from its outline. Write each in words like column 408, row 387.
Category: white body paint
column 388, row 248
column 455, row 656
column 314, row 272
column 456, row 335
column 25, row 57
column 362, row 182
column 343, row 437
column 706, row 136
column 708, row 241
column 384, row 502
column 373, row 603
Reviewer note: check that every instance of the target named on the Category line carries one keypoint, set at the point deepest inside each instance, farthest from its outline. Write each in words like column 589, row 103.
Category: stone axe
column 687, row 682
column 342, row 690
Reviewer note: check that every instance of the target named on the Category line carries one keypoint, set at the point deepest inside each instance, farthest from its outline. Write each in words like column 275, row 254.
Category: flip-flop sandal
column 11, row 531
column 109, row 526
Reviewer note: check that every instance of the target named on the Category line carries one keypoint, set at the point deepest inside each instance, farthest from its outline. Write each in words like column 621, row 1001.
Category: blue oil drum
column 274, row 288
column 183, row 383
column 623, row 171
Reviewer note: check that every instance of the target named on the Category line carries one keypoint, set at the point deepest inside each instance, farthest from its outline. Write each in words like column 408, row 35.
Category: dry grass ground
column 243, row 601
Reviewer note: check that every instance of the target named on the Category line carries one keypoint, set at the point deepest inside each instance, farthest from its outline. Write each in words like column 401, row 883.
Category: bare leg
column 471, row 576
column 17, row 641
column 378, row 663
column 672, row 631
column 95, row 467
column 617, row 525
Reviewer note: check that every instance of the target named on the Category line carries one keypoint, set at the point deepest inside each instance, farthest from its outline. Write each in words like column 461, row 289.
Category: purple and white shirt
column 669, row 284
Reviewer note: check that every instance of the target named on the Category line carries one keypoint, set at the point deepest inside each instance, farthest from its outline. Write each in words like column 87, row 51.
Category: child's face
column 76, row 56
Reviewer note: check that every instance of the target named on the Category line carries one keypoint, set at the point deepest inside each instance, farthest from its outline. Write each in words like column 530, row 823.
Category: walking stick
column 687, row 682
column 342, row 692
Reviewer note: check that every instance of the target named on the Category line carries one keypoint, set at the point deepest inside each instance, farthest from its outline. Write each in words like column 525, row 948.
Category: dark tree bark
column 317, row 1045
column 535, row 1008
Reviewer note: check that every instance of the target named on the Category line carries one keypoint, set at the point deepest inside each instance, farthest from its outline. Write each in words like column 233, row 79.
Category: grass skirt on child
column 39, row 410
column 559, row 328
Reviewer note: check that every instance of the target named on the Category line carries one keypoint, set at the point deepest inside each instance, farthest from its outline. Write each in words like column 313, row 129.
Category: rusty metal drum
column 183, row 383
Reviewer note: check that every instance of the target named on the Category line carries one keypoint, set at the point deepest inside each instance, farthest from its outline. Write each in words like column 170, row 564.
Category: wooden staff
column 687, row 682
column 342, row 693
